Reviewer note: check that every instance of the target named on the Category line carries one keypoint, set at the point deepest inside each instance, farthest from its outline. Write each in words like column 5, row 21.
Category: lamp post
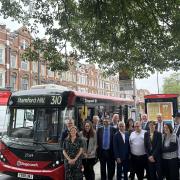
column 39, row 69
column 8, row 64
column 158, row 81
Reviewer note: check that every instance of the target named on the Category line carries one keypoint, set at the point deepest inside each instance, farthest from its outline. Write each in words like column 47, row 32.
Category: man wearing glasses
column 138, row 153
column 69, row 124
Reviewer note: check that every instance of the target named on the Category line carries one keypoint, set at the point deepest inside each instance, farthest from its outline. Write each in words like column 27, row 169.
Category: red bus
column 4, row 97
column 165, row 104
column 31, row 148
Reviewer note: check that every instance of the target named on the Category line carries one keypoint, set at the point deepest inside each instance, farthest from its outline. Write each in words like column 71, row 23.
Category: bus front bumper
column 54, row 174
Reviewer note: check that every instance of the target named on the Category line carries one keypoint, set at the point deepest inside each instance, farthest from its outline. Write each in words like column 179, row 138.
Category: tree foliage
column 172, row 84
column 135, row 35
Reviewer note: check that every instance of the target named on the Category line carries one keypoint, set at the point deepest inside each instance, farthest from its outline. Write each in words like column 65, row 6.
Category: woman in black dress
column 72, row 150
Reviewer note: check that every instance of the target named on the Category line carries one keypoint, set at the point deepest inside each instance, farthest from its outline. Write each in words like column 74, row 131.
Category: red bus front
column 30, row 149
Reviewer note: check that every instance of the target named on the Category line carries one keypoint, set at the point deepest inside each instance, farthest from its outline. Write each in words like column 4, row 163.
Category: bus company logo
column 20, row 163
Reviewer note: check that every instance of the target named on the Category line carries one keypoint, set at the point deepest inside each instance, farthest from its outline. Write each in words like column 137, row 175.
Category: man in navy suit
column 121, row 151
column 105, row 149
column 160, row 123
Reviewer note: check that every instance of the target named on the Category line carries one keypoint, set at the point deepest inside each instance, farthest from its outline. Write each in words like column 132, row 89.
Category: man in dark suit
column 153, row 144
column 177, row 132
column 145, row 122
column 115, row 120
column 177, row 124
column 121, row 151
column 160, row 123
column 105, row 149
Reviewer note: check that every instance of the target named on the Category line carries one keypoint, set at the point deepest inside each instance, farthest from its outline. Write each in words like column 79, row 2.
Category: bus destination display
column 36, row 100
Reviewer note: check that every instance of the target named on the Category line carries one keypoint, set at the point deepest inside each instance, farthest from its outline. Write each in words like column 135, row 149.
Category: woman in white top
column 170, row 153
column 89, row 139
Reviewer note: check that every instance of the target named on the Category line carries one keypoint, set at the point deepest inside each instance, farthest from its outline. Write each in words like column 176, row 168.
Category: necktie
column 106, row 139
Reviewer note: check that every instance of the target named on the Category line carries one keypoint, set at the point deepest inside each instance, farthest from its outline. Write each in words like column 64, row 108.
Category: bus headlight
column 54, row 164
column 2, row 158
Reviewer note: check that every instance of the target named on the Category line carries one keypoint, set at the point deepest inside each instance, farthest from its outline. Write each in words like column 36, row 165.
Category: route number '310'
column 56, row 100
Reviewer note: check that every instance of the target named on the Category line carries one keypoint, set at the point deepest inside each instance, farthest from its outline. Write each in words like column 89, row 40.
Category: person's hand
column 85, row 155
column 151, row 159
column 118, row 160
column 71, row 161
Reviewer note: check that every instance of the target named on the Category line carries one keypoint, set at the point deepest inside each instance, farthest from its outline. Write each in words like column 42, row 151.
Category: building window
column 13, row 82
column 34, row 67
column 24, row 83
column 24, row 44
column 43, row 70
column 1, row 56
column 50, row 73
column 25, row 65
column 13, row 61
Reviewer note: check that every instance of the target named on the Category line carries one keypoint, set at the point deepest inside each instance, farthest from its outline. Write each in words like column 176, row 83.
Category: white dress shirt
column 160, row 127
column 123, row 136
column 136, row 141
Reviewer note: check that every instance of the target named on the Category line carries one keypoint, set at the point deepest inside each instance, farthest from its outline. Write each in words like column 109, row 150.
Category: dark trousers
column 170, row 169
column 155, row 171
column 106, row 159
column 88, row 168
column 139, row 163
column 122, row 168
column 131, row 170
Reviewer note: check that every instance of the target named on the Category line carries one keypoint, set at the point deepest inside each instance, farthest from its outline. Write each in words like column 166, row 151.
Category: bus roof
column 97, row 96
column 49, row 86
column 161, row 96
column 36, row 92
column 71, row 97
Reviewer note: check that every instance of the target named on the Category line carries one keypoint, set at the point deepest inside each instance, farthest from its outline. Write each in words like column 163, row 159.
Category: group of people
column 135, row 147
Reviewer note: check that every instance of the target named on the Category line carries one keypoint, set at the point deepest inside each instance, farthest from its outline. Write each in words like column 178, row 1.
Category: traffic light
column 120, row 113
column 125, row 113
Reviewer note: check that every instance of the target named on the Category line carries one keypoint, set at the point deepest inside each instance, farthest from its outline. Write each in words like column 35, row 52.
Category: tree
column 134, row 35
column 172, row 84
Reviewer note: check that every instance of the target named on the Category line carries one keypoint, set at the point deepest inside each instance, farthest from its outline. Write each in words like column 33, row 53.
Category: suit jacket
column 146, row 126
column 157, row 126
column 153, row 148
column 121, row 148
column 178, row 132
column 100, row 140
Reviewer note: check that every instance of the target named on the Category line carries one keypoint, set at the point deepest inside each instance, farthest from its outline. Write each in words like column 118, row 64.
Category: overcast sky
column 149, row 84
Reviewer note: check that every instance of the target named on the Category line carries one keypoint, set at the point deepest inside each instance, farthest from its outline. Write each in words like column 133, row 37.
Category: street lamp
column 158, row 81
column 39, row 68
column 8, row 64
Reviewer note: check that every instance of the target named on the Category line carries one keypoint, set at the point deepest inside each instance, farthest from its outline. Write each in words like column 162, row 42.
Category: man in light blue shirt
column 105, row 149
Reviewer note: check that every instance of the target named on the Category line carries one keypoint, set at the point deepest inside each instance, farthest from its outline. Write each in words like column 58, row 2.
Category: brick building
column 20, row 74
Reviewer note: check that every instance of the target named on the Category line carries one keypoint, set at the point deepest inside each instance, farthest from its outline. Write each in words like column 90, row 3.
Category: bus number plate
column 25, row 176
